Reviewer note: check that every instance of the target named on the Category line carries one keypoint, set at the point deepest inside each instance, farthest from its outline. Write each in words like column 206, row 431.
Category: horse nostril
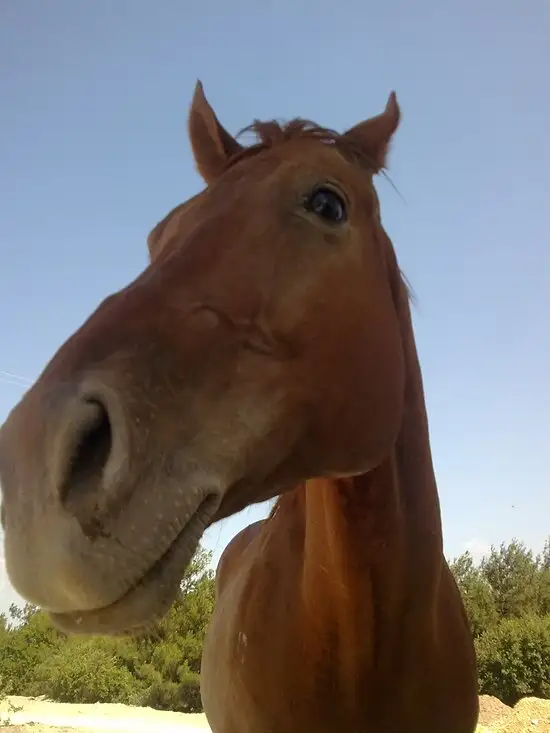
column 94, row 444
column 91, row 446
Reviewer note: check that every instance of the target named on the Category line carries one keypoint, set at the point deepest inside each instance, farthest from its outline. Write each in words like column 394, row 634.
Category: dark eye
column 328, row 204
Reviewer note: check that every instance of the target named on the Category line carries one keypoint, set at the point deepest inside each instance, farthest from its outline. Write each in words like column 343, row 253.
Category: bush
column 514, row 659
column 26, row 639
column 159, row 667
column 506, row 599
column 87, row 671
column 172, row 649
column 182, row 695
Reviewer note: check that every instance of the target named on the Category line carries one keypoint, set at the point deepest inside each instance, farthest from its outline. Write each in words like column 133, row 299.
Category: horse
column 265, row 352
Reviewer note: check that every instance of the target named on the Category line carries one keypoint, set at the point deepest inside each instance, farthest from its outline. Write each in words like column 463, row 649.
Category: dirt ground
column 24, row 714
column 28, row 715
column 529, row 715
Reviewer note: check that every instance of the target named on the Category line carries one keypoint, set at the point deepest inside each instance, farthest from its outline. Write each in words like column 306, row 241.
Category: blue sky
column 94, row 99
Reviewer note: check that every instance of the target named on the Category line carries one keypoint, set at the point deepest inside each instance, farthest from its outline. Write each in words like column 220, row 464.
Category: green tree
column 477, row 594
column 544, row 580
column 26, row 639
column 513, row 574
column 160, row 667
column 171, row 651
column 545, row 556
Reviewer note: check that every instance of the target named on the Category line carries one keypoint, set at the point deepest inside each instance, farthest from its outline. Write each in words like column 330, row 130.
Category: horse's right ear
column 212, row 145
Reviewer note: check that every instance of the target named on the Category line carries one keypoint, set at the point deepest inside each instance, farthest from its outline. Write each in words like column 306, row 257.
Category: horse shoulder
column 233, row 553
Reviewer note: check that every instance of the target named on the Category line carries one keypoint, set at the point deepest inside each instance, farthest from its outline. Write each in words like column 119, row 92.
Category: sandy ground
column 529, row 715
column 18, row 714
column 28, row 715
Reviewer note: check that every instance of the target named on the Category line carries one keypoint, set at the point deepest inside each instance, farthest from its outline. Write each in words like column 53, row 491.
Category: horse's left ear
column 374, row 136
column 212, row 145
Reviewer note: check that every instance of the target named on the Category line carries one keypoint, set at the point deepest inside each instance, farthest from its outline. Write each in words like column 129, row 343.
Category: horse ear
column 374, row 135
column 212, row 145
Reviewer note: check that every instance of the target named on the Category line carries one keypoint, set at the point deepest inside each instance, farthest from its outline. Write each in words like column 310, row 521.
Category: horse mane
column 272, row 133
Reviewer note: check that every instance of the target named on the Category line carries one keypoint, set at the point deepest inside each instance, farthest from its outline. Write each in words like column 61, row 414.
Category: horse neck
column 370, row 547
column 413, row 478
column 386, row 522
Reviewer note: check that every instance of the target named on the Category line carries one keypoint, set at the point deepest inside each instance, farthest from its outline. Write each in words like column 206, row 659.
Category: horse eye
column 327, row 204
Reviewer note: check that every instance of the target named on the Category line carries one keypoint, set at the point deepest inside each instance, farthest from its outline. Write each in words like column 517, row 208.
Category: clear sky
column 94, row 99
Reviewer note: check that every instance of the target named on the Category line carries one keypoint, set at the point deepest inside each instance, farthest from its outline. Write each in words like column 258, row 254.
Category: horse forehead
column 279, row 165
column 249, row 183
column 307, row 156
column 321, row 153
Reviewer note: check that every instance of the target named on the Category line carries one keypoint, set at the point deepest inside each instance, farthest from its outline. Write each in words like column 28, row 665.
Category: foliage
column 507, row 600
column 171, row 651
column 87, row 671
column 506, row 595
column 477, row 593
column 514, row 658
column 513, row 574
column 159, row 668
column 26, row 638
column 544, row 584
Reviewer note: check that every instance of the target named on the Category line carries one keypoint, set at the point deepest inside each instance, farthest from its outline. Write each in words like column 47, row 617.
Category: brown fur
column 265, row 352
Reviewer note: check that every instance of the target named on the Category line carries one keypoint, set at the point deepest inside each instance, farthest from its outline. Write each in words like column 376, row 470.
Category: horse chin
column 151, row 597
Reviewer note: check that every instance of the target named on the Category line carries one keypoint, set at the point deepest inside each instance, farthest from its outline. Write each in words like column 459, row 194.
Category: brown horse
column 266, row 350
